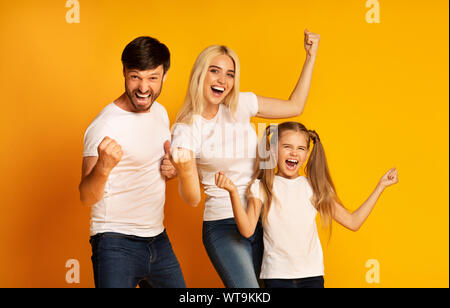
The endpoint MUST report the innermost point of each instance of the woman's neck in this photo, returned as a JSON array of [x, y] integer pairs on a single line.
[[210, 111]]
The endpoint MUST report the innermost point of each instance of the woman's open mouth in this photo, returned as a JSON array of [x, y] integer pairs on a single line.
[[217, 91]]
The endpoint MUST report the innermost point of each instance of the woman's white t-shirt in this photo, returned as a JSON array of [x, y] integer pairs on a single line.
[[225, 143], [292, 248]]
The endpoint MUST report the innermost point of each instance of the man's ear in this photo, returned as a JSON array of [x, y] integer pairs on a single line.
[[124, 72], [164, 77]]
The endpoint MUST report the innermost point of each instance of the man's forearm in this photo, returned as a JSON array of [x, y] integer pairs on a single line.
[[92, 186]]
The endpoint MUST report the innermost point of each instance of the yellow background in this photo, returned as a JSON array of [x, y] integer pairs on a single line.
[[379, 99]]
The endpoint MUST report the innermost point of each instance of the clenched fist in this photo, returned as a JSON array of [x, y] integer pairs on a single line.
[[311, 43], [109, 154], [390, 178], [222, 181], [182, 160]]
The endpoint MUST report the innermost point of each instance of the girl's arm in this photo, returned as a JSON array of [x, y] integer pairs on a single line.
[[355, 220], [272, 108], [245, 220], [189, 185]]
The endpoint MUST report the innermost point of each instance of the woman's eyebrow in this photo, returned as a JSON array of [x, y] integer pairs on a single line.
[[218, 67]]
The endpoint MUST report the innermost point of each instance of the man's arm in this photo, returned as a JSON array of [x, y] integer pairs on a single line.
[[96, 170]]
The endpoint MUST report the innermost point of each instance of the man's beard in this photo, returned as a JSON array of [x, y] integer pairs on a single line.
[[132, 97]]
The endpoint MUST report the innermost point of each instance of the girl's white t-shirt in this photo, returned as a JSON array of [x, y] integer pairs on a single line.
[[225, 143], [292, 248]]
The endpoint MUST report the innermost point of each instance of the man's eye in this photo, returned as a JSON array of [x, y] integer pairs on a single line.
[[134, 77]]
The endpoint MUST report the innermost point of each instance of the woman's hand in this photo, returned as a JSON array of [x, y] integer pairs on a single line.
[[222, 181], [182, 160], [311, 43]]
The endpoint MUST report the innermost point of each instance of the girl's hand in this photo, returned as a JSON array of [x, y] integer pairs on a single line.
[[223, 182], [311, 43], [390, 178]]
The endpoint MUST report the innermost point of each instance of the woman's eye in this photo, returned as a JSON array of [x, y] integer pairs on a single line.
[[231, 75]]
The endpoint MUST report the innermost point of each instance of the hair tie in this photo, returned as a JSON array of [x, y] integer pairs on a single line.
[[314, 136]]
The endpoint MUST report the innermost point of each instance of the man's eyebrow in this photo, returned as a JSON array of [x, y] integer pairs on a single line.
[[152, 74]]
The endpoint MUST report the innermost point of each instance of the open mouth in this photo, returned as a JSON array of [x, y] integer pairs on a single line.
[[291, 164], [217, 91], [142, 98]]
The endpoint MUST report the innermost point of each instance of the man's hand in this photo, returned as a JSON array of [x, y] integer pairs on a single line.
[[167, 169], [109, 155]]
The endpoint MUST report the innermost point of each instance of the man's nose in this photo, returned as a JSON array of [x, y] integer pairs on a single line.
[[143, 87]]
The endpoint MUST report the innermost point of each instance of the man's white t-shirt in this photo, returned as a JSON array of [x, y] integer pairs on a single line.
[[134, 196], [292, 248], [225, 143]]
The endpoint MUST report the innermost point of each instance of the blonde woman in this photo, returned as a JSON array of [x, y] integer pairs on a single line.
[[212, 133]]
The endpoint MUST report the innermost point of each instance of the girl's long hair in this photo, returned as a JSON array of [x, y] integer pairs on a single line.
[[317, 172], [194, 102]]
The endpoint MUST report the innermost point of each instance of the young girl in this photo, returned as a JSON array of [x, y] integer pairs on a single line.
[[289, 203]]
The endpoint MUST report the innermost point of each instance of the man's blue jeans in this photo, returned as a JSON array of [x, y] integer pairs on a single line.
[[236, 259], [125, 261]]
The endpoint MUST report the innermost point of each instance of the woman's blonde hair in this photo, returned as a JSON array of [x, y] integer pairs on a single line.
[[194, 102], [317, 171]]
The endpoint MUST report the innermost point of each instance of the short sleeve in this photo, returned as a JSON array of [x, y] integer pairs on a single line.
[[255, 191], [164, 115], [248, 103], [183, 136], [94, 135]]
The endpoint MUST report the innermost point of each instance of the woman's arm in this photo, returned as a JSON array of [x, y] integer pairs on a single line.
[[189, 185], [355, 220], [245, 220], [272, 108]]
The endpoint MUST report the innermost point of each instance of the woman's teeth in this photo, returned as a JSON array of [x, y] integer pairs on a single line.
[[218, 90]]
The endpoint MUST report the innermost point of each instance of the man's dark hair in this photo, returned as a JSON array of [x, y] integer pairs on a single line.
[[146, 53]]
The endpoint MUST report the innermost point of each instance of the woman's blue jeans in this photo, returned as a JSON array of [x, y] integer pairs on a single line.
[[236, 259]]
